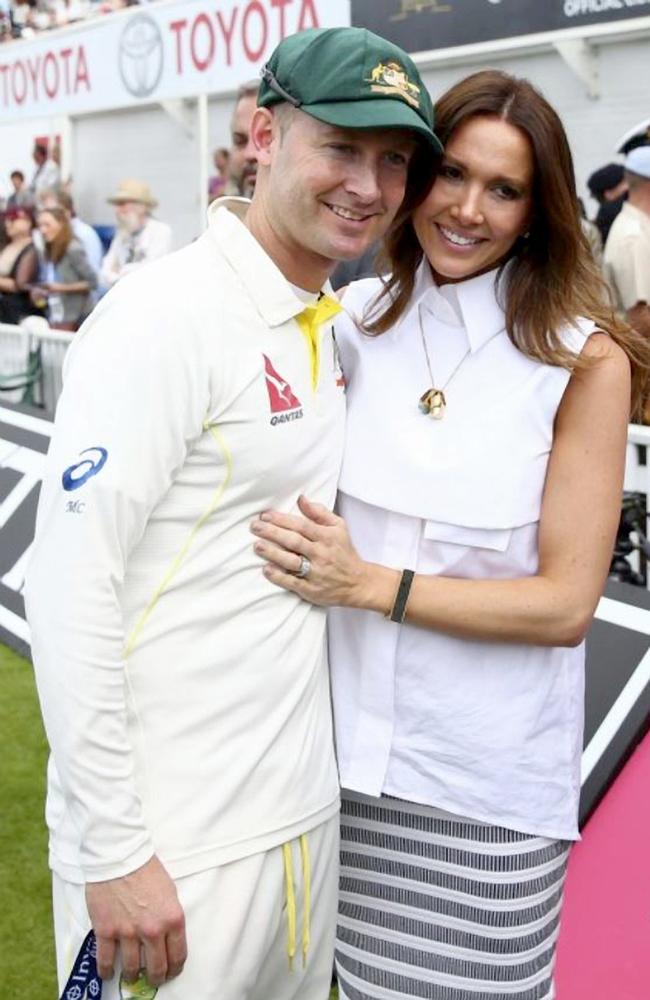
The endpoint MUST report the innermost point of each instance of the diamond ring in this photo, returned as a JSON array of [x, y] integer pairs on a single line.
[[304, 569]]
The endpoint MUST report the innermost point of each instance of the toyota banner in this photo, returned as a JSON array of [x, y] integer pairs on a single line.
[[153, 53]]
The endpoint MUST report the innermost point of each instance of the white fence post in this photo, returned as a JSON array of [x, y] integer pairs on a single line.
[[16, 342]]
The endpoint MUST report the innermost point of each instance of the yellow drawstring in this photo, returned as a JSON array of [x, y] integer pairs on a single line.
[[291, 900], [310, 321], [306, 903], [291, 904]]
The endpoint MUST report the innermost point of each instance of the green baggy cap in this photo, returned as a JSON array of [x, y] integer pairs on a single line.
[[351, 78]]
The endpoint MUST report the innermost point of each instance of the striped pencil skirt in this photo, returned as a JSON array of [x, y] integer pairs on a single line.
[[444, 908]]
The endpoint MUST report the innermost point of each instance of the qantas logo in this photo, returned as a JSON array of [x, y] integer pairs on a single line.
[[285, 405]]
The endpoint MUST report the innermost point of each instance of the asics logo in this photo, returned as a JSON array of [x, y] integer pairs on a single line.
[[76, 475]]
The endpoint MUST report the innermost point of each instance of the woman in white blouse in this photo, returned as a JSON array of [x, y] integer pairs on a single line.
[[489, 393]]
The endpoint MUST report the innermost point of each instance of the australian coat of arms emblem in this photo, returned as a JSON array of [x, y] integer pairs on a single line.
[[391, 78]]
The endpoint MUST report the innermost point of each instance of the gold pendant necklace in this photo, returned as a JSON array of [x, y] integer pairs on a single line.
[[433, 402]]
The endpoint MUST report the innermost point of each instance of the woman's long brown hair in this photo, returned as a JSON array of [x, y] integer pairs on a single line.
[[55, 250], [553, 278]]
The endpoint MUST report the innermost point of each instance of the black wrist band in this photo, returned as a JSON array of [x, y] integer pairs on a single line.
[[398, 611]]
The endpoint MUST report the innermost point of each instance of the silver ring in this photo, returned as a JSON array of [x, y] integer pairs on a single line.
[[304, 569]]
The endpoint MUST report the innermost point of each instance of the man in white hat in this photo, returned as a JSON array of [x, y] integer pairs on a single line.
[[139, 238], [193, 791], [627, 251]]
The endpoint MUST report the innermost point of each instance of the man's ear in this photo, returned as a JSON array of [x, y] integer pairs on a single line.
[[262, 132]]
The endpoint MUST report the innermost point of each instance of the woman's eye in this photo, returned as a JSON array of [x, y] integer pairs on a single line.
[[451, 173], [397, 159], [507, 192]]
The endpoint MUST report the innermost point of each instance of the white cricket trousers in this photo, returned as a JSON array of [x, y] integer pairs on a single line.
[[261, 928]]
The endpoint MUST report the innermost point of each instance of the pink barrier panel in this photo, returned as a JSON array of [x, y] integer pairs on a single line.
[[604, 947]]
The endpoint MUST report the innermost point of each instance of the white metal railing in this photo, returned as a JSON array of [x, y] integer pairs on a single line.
[[637, 479], [16, 345], [637, 462]]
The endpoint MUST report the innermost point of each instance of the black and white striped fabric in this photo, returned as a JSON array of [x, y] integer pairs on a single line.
[[440, 907]]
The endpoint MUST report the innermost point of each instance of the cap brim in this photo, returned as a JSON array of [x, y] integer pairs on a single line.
[[373, 114]]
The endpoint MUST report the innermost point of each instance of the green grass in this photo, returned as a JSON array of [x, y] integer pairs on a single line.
[[27, 967]]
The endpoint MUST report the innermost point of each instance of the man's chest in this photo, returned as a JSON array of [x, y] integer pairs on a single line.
[[275, 422]]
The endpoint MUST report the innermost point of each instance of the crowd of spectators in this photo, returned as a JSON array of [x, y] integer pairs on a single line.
[[52, 263], [25, 18]]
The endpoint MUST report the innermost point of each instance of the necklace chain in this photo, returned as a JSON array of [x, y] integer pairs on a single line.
[[433, 401]]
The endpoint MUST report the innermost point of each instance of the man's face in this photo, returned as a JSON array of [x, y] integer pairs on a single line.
[[243, 155], [332, 192], [613, 194], [17, 182], [220, 161], [130, 215]]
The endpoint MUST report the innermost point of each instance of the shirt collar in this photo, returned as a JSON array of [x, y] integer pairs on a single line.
[[268, 288], [476, 298]]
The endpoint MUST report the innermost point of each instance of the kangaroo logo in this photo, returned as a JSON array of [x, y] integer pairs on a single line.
[[281, 395], [285, 405]]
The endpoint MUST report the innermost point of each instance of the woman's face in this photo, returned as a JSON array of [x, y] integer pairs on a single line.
[[49, 226], [18, 226], [481, 200]]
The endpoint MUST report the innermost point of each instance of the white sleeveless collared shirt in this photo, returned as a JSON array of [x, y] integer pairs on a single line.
[[492, 731]]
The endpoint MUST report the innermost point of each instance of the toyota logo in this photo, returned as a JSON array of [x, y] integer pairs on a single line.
[[141, 56]]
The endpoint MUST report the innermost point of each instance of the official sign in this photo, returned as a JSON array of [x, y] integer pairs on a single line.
[[421, 25], [162, 52]]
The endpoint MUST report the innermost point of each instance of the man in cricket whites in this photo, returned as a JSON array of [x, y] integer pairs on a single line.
[[193, 793]]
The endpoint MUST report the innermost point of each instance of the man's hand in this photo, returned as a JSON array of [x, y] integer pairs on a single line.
[[139, 912]]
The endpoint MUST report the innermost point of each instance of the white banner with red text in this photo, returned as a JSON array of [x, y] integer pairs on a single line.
[[162, 52]]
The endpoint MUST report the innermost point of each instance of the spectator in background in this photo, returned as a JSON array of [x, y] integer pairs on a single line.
[[66, 275], [609, 188], [18, 266], [139, 238], [217, 184], [592, 232], [64, 12], [627, 251], [243, 156], [47, 173], [5, 21], [90, 241], [20, 195], [22, 19]]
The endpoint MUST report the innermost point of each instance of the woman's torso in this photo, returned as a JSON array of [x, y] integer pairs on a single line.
[[70, 307], [489, 730], [18, 260]]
